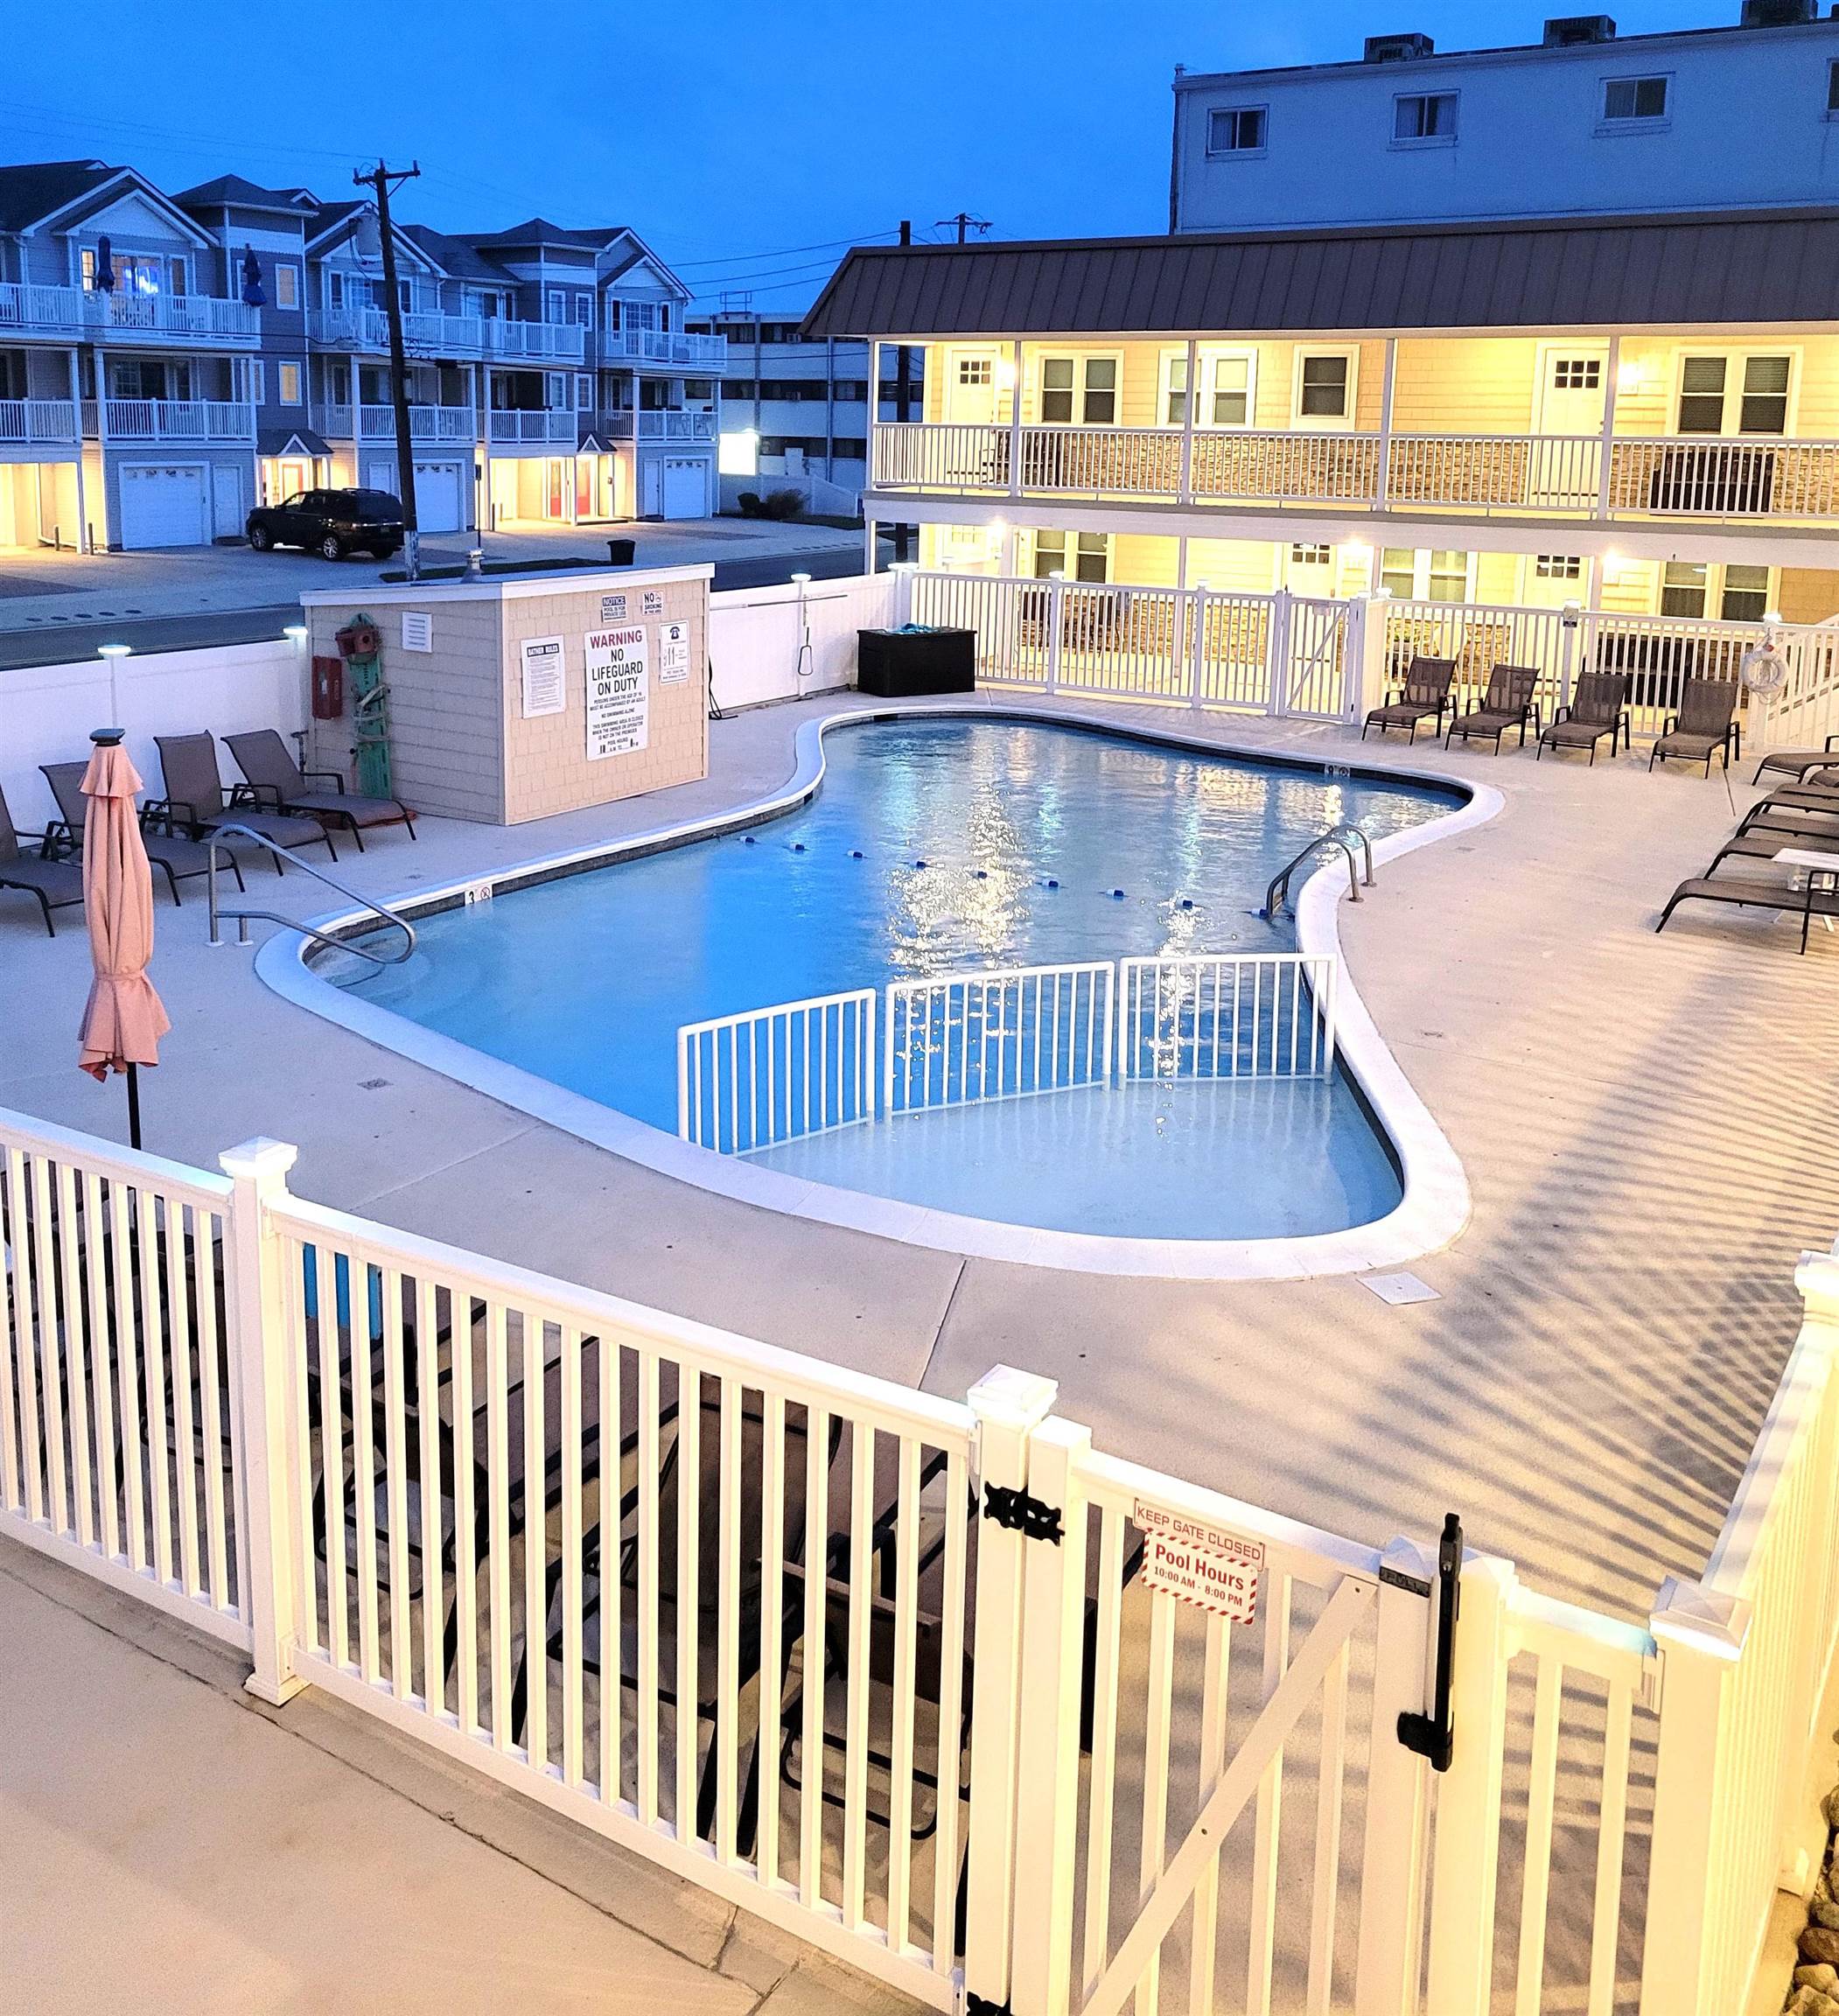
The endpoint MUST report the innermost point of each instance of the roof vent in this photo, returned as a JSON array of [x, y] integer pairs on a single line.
[[1398, 48], [1573, 31], [1778, 13]]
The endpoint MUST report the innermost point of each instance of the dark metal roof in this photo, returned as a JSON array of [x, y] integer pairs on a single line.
[[1756, 267], [36, 189], [290, 441]]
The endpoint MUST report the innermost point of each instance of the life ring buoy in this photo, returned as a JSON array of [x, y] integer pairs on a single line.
[[1763, 669]]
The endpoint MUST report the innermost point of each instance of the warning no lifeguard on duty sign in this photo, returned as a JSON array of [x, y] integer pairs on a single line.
[[1201, 1564]]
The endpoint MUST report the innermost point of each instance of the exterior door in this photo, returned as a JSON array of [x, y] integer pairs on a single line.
[[227, 511], [163, 506], [970, 388], [437, 497], [1573, 384], [685, 488]]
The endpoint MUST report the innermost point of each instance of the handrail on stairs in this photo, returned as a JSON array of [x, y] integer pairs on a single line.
[[233, 828], [1343, 835]]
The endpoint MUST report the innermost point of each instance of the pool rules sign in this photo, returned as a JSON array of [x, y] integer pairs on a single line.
[[619, 691], [1202, 1564]]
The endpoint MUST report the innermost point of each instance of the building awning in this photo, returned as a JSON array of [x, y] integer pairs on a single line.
[[290, 441], [594, 443], [1668, 272]]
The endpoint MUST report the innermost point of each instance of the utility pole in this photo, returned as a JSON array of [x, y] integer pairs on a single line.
[[381, 180], [965, 223]]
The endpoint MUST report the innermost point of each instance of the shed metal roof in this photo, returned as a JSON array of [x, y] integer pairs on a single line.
[[1767, 266]]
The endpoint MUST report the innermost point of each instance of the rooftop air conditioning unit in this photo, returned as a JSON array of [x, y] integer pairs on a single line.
[[1398, 48], [1573, 31], [1779, 13]]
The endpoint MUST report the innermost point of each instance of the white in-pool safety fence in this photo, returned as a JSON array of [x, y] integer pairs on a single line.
[[769, 1075]]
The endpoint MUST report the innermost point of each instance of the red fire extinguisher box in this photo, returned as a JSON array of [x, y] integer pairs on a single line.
[[328, 689]]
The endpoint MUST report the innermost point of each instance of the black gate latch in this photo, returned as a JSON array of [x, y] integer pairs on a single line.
[[1032, 1518], [1434, 1735]]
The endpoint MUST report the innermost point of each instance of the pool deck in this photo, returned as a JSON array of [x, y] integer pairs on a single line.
[[1643, 1122]]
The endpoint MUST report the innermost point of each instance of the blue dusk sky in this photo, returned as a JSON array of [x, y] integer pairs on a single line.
[[745, 139]]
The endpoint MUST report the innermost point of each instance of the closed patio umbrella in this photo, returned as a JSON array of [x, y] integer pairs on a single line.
[[124, 1020], [252, 293], [104, 265]]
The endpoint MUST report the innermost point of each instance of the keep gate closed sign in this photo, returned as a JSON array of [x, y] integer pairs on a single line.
[[1201, 1564]]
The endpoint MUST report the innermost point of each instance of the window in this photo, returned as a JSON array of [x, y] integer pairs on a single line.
[[976, 371], [584, 310], [1079, 390], [557, 309], [1424, 577], [1683, 588], [1577, 374], [337, 379], [699, 389], [405, 296], [1310, 556], [584, 392], [1629, 98], [1832, 89], [1432, 116], [1324, 385], [855, 389], [175, 277], [1761, 385], [556, 391], [1746, 597], [1236, 129], [1091, 557], [1175, 392], [739, 388], [254, 380], [87, 258], [287, 379], [850, 448], [1558, 567], [1230, 405], [287, 285]]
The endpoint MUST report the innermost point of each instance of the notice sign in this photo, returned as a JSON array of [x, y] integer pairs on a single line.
[[619, 691], [612, 608], [544, 691], [1200, 1563], [651, 603], [673, 654]]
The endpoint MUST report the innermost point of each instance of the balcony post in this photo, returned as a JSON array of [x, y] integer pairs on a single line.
[[101, 396], [1015, 425], [1187, 427], [1382, 475], [1606, 446], [76, 415]]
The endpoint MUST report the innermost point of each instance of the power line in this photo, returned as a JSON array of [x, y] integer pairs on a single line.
[[783, 251]]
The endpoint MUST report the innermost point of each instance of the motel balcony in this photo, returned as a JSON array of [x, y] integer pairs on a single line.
[[78, 315], [677, 426], [139, 420], [37, 426], [664, 346], [365, 332], [1545, 476], [553, 426]]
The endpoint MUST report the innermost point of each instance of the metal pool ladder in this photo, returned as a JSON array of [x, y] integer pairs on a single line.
[[1342, 836], [219, 837]]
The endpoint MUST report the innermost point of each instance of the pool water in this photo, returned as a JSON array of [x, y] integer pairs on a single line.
[[935, 846]]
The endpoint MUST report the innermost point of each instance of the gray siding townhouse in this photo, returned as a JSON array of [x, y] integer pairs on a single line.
[[167, 363]]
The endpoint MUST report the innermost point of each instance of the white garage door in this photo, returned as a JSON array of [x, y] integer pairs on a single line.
[[685, 488], [437, 497], [162, 506]]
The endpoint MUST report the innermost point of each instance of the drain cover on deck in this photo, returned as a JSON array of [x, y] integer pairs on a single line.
[[1396, 1288]]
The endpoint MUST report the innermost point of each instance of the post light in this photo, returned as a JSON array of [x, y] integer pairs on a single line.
[[1005, 374], [1572, 615], [111, 655]]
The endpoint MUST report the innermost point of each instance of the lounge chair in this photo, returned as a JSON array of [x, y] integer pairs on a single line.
[[1509, 704], [181, 860], [58, 884], [1599, 707], [1798, 762], [197, 803], [1426, 693], [1705, 724], [1744, 892], [282, 786]]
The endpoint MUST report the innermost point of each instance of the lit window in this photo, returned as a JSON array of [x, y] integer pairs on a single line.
[[1175, 397], [88, 258], [1746, 597], [1632, 98], [288, 378], [1432, 116], [1683, 588], [1091, 561], [287, 286], [1448, 577], [1236, 129], [1559, 567], [1398, 572], [1763, 394], [1232, 391], [1322, 392], [1079, 390], [1764, 408]]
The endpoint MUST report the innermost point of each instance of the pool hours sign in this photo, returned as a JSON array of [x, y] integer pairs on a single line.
[[1200, 1563], [619, 691]]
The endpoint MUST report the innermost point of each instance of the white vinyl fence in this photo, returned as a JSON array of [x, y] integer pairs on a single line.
[[997, 1717], [772, 1075], [1248, 1015], [997, 1035]]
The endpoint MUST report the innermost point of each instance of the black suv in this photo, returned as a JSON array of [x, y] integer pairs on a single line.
[[330, 522]]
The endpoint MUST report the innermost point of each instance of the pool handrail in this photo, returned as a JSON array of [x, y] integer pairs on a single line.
[[1343, 834], [219, 837]]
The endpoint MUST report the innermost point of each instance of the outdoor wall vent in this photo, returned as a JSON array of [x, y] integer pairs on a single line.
[[1778, 13], [1573, 31], [1398, 48]]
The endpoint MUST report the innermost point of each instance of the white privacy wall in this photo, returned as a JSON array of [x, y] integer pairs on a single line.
[[755, 636], [46, 711]]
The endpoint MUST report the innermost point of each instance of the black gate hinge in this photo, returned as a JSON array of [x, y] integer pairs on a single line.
[[1032, 1518], [975, 2005]]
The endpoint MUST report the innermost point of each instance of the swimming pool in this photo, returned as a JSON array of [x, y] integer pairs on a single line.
[[937, 843]]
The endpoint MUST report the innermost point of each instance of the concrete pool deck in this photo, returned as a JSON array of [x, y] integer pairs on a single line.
[[1639, 1118]]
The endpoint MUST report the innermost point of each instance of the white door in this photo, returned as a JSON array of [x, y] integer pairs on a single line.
[[382, 476], [1561, 473], [227, 511], [437, 497], [970, 388], [163, 506], [685, 487]]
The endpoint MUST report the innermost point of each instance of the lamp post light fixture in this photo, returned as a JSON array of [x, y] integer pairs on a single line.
[[112, 654]]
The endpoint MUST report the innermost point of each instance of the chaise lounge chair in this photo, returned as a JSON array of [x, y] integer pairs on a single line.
[[58, 884], [1705, 724], [182, 860], [1509, 704], [1798, 763], [1425, 694], [1747, 892], [281, 785], [1599, 707], [197, 801]]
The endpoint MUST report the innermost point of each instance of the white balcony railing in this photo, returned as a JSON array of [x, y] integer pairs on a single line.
[[613, 426], [1532, 475], [675, 426], [124, 313], [169, 420], [554, 424], [33, 310], [566, 342], [430, 334], [426, 422], [665, 346], [27, 421]]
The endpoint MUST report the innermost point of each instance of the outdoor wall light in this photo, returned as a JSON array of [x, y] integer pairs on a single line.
[[296, 633]]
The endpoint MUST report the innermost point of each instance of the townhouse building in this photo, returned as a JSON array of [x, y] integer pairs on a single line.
[[167, 362], [1636, 415], [1741, 117]]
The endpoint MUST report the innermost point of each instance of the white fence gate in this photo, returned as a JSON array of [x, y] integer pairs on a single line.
[[1001, 1034], [1263, 1014], [771, 1074]]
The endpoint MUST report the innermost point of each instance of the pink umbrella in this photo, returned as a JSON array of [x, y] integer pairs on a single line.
[[124, 1019]]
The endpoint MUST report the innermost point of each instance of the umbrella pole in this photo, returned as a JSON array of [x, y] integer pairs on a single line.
[[134, 1105]]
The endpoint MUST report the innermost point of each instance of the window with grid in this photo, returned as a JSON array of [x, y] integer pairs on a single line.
[[1558, 567], [287, 285], [1683, 588], [1577, 374], [1322, 393], [1309, 556], [1091, 555], [1629, 98], [976, 371], [1175, 394], [1761, 387], [1745, 596], [1237, 128], [1429, 115], [1082, 390], [1231, 405], [288, 380]]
